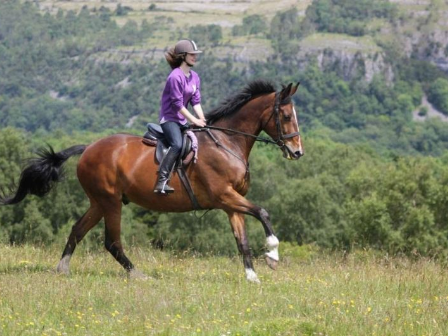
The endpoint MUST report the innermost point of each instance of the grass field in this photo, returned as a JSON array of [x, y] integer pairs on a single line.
[[310, 294]]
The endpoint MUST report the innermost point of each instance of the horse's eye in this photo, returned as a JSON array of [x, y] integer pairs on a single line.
[[287, 117]]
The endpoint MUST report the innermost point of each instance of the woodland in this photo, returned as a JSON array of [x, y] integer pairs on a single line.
[[372, 177]]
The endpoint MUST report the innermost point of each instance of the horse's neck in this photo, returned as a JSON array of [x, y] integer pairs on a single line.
[[247, 121]]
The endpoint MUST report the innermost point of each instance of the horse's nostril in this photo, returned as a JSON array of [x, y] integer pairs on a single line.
[[299, 153]]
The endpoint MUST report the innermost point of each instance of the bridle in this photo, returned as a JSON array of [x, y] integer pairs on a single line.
[[280, 136], [276, 114]]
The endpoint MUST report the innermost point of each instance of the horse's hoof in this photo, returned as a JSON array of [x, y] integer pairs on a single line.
[[271, 263], [255, 281], [62, 271], [251, 276], [137, 275], [63, 268]]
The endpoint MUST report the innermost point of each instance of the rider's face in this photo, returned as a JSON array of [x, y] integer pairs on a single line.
[[191, 58]]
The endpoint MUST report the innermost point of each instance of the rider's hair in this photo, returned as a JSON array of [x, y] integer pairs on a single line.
[[174, 60]]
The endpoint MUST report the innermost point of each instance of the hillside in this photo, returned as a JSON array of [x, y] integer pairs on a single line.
[[93, 65], [376, 152], [179, 16], [421, 30]]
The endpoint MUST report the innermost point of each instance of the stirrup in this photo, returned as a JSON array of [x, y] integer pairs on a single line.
[[163, 189]]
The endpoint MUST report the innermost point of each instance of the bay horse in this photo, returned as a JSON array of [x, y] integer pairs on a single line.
[[121, 167]]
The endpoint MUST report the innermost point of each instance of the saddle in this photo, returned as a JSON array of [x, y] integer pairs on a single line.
[[154, 137]]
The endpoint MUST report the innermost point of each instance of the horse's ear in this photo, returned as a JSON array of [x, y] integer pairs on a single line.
[[286, 92], [294, 89]]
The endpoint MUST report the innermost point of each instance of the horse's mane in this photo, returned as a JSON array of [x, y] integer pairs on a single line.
[[233, 103]]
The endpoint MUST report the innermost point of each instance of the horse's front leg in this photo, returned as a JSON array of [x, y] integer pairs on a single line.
[[239, 231], [272, 242]]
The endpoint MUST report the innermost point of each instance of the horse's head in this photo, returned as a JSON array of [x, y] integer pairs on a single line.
[[282, 124]]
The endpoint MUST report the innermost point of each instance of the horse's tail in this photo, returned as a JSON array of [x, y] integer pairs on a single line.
[[41, 173]]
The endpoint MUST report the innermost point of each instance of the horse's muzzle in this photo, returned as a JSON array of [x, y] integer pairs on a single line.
[[298, 154], [291, 154]]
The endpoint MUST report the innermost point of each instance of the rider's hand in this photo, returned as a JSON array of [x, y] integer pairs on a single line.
[[199, 122]]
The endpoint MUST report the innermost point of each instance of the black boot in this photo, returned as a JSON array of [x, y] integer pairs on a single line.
[[165, 168]]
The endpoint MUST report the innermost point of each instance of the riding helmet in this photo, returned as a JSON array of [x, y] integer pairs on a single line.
[[186, 46]]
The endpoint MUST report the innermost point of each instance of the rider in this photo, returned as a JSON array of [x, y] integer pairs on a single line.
[[182, 87]]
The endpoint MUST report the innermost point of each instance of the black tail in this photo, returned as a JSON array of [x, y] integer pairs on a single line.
[[41, 173]]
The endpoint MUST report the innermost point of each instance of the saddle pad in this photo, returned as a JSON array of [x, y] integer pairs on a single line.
[[149, 141], [188, 152]]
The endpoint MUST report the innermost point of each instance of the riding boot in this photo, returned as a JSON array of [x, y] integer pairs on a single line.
[[165, 168]]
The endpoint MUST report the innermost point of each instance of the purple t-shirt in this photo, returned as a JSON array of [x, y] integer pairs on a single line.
[[179, 91]]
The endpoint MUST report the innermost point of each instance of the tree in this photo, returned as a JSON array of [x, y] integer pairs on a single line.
[[438, 94]]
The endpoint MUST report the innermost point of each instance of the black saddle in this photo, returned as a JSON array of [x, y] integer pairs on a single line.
[[155, 137]]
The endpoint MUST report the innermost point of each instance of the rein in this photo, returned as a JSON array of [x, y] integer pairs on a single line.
[[218, 144], [257, 138], [280, 136]]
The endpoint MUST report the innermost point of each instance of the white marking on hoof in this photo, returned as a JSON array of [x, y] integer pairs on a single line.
[[135, 274], [272, 244], [252, 276], [63, 265], [273, 254]]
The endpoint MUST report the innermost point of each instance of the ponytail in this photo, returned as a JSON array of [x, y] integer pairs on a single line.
[[174, 60]]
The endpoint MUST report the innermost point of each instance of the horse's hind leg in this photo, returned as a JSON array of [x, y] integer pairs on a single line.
[[239, 231], [79, 230], [112, 239]]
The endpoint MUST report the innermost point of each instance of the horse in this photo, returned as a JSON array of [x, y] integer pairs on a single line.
[[121, 166]]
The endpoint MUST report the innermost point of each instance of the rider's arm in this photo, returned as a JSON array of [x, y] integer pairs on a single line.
[[198, 109], [196, 98], [191, 118]]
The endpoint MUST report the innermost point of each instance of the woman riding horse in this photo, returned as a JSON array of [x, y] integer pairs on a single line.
[[122, 167], [182, 87]]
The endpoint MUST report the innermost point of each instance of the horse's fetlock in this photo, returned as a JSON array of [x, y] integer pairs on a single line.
[[272, 242]]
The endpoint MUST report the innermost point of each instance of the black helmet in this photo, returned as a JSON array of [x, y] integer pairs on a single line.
[[186, 46]]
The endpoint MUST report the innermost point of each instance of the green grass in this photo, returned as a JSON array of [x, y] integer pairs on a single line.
[[310, 294]]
